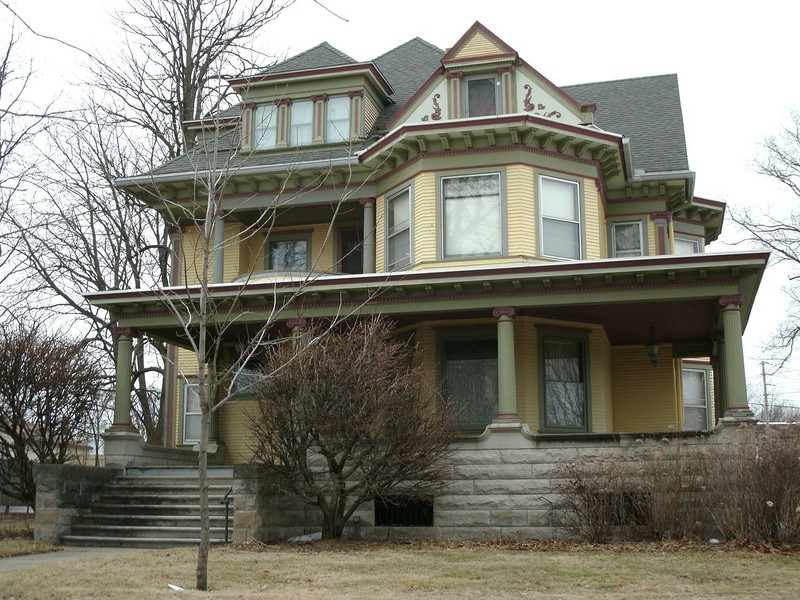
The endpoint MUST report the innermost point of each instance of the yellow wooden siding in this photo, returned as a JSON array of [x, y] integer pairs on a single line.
[[231, 251], [322, 248], [234, 430], [645, 398], [192, 252], [652, 242], [602, 412], [251, 253], [380, 234], [371, 112], [187, 362], [424, 225], [478, 45], [521, 210], [594, 228], [527, 371]]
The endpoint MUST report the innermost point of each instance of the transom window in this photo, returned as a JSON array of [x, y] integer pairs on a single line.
[[191, 413], [265, 133], [627, 239], [288, 254], [561, 218], [337, 126], [564, 383], [301, 131], [398, 230], [473, 216], [695, 399], [481, 96], [469, 377]]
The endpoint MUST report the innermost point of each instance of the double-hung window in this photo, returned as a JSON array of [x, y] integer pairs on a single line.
[[472, 211], [695, 399], [337, 126], [469, 377], [563, 375], [561, 218], [301, 123], [265, 132], [191, 413], [398, 230], [288, 254], [686, 246], [481, 96], [627, 239]]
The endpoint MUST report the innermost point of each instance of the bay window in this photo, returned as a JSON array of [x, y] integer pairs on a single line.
[[472, 212], [561, 218], [398, 230], [627, 239]]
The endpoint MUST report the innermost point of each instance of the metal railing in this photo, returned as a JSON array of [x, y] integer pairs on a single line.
[[227, 502]]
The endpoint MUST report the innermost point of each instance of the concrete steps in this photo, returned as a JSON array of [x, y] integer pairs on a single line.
[[154, 507]]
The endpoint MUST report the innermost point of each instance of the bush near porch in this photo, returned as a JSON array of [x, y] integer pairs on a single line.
[[747, 492]]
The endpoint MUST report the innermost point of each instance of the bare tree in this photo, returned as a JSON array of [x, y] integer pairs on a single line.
[[49, 386], [344, 419], [780, 160]]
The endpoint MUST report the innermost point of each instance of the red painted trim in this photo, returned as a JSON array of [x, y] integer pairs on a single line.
[[422, 91], [661, 234]]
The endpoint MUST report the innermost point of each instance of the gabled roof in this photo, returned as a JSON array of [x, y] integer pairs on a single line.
[[323, 55], [645, 109]]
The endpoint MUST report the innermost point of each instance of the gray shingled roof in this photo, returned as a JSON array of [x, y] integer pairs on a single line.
[[648, 111], [645, 109], [406, 68], [323, 55]]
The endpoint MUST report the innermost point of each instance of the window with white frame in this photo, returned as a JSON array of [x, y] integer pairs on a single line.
[[472, 212], [627, 239], [337, 126], [564, 386], [561, 218], [686, 246], [265, 131], [301, 125], [288, 254], [695, 399], [191, 413], [398, 230], [480, 94]]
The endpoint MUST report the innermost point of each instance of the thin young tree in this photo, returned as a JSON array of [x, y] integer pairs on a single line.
[[337, 432]]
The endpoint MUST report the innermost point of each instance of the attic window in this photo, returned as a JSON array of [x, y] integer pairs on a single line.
[[481, 96], [301, 128], [337, 126], [265, 134]]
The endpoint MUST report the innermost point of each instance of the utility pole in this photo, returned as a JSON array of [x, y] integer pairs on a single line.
[[766, 403]]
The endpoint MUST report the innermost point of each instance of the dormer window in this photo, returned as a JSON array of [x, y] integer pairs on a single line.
[[265, 132], [481, 96], [301, 123], [337, 126]]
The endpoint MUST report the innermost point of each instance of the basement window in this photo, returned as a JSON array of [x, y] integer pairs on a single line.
[[397, 511]]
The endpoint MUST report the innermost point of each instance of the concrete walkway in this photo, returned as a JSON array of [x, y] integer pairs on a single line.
[[48, 558]]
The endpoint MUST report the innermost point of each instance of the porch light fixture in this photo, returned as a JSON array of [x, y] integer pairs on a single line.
[[653, 348]]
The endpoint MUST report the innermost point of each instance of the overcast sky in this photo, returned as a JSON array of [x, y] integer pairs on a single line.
[[736, 64]]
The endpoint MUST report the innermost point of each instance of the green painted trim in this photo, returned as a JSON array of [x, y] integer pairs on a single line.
[[583, 337]]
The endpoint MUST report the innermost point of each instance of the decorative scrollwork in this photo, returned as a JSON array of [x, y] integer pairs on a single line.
[[437, 110], [540, 108]]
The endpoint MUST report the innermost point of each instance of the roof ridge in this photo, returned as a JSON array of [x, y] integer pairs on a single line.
[[621, 80]]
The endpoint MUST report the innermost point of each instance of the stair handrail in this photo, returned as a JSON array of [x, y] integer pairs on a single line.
[[226, 501]]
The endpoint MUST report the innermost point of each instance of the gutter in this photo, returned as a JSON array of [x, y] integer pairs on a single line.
[[686, 174]]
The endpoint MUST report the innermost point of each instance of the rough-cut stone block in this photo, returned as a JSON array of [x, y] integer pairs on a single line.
[[509, 518], [511, 486], [493, 472], [487, 502], [539, 518], [462, 518], [527, 502], [478, 457], [461, 486]]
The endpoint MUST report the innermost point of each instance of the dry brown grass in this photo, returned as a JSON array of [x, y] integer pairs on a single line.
[[378, 571], [16, 537]]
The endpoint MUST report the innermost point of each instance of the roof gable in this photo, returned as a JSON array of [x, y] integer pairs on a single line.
[[477, 42]]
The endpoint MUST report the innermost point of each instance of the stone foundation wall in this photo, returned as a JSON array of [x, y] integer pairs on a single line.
[[501, 486], [62, 492]]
